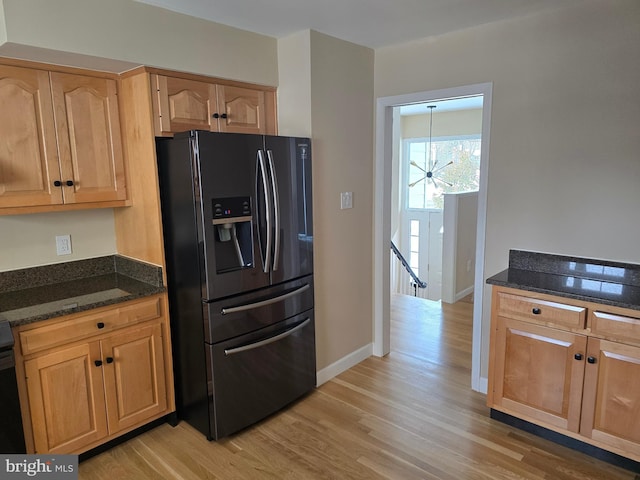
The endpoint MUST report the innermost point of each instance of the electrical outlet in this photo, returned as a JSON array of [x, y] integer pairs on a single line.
[[346, 200], [63, 244]]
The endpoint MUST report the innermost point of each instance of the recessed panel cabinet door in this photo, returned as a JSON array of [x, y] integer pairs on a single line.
[[242, 110], [611, 409], [66, 399], [183, 105], [28, 151], [134, 376], [539, 372], [89, 138]]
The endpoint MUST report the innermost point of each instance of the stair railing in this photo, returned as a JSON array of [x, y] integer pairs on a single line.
[[416, 281]]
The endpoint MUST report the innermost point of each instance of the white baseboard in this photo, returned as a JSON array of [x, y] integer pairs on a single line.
[[481, 385], [464, 293], [345, 363]]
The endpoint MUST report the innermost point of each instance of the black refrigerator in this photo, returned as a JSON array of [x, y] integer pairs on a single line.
[[238, 236]]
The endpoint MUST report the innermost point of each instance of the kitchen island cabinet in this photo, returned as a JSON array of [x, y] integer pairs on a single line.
[[566, 360], [62, 146]]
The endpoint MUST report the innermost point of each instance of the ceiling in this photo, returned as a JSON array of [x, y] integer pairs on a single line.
[[371, 23]]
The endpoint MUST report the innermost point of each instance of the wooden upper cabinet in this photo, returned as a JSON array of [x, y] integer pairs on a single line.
[[181, 104], [28, 152], [89, 139], [242, 110], [61, 140]]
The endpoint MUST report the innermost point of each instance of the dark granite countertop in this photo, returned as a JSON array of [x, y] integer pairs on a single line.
[[608, 283], [40, 293]]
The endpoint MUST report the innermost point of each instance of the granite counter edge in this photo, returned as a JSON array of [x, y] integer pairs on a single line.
[[152, 290], [573, 296]]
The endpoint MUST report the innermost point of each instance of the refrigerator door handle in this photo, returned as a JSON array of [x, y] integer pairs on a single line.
[[276, 210], [251, 306], [267, 206], [269, 340]]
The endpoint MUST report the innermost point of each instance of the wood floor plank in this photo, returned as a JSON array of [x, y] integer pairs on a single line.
[[409, 415]]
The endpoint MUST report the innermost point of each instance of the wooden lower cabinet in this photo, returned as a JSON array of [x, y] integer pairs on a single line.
[[80, 395], [541, 372], [611, 406], [134, 376], [66, 399], [558, 374]]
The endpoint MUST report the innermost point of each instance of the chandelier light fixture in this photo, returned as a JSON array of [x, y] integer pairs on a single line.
[[433, 170]]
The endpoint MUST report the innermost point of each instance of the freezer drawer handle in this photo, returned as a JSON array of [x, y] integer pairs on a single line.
[[267, 341], [249, 306]]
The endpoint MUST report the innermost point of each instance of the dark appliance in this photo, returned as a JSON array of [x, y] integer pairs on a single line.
[[11, 433], [238, 236]]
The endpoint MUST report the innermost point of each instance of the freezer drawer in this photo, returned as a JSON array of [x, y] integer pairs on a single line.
[[258, 374], [234, 316]]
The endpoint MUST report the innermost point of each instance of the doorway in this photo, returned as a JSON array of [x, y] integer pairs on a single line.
[[436, 169], [383, 174]]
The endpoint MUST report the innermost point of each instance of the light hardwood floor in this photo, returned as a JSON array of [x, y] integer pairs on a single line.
[[410, 415]]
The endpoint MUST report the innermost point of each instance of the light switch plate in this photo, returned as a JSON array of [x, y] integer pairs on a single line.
[[346, 200]]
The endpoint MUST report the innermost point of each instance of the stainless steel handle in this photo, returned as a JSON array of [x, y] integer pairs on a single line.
[[267, 207], [267, 341], [250, 306], [276, 210]]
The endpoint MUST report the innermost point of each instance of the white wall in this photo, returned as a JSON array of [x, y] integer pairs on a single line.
[[564, 173], [342, 120], [28, 240], [459, 245], [138, 33], [457, 122], [294, 85]]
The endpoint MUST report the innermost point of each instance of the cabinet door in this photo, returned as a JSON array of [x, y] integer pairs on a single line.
[[66, 399], [539, 373], [611, 408], [182, 105], [242, 110], [28, 150], [134, 376], [89, 138]]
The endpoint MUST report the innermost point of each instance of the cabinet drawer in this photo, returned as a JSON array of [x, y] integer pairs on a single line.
[[83, 326], [530, 309], [615, 327]]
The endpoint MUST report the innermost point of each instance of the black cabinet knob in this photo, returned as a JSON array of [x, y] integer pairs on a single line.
[[109, 359], [224, 115], [69, 183], [578, 356], [216, 115], [98, 363], [57, 183], [536, 311], [591, 360], [100, 325]]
